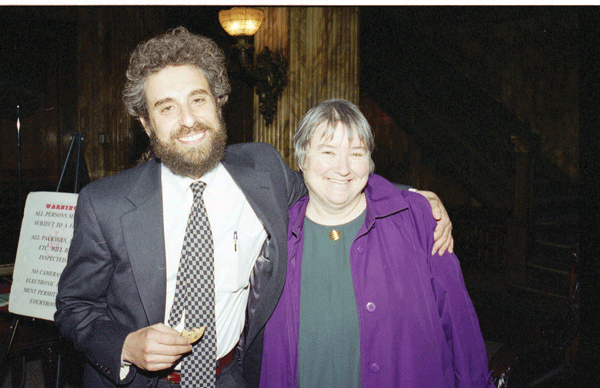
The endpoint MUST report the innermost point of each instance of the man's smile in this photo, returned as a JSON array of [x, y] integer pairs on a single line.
[[193, 138]]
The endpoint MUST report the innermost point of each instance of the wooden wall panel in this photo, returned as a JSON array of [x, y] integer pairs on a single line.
[[322, 45], [274, 34], [106, 37], [36, 62]]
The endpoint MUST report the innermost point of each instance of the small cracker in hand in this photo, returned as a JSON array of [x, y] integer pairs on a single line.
[[193, 334]]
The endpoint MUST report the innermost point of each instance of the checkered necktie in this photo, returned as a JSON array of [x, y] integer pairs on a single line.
[[195, 294]]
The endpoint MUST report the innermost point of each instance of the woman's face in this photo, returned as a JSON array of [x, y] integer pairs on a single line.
[[335, 169]]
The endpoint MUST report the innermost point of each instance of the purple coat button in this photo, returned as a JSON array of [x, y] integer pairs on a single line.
[[374, 368], [371, 307]]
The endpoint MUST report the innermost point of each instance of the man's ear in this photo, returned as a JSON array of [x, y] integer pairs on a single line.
[[145, 125], [219, 106]]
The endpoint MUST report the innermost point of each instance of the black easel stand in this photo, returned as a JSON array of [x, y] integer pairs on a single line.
[[80, 170], [81, 178]]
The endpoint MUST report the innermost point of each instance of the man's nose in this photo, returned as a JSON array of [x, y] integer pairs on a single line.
[[186, 117]]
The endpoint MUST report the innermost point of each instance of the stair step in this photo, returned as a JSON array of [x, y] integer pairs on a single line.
[[538, 302], [547, 280], [553, 255]]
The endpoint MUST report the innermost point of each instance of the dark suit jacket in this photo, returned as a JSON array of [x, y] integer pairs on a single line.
[[114, 282]]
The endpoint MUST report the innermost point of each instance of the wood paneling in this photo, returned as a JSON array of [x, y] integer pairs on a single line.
[[322, 46], [80, 54], [106, 37], [37, 62]]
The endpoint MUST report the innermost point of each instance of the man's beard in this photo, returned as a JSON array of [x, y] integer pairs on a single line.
[[193, 162]]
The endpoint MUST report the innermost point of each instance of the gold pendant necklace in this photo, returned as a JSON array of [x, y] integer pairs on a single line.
[[334, 235]]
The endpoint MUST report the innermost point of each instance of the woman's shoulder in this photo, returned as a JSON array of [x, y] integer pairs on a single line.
[[387, 198], [381, 189]]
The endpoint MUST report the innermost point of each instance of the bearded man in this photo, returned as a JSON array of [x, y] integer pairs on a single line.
[[118, 294]]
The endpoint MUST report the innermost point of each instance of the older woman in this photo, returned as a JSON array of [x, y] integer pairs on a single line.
[[365, 304]]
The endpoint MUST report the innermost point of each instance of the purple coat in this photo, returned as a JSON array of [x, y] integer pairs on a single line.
[[418, 327]]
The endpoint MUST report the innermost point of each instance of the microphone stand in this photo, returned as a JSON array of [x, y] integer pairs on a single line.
[[19, 182]]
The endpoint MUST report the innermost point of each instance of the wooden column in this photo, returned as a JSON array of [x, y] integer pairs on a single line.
[[322, 48]]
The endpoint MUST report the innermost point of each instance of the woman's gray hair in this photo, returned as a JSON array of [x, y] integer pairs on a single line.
[[175, 48], [332, 112]]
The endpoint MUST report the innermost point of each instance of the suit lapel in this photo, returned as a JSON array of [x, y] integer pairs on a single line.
[[143, 227], [144, 238], [259, 189]]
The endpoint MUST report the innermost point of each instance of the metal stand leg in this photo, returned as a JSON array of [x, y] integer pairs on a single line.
[[23, 371], [9, 340], [58, 369]]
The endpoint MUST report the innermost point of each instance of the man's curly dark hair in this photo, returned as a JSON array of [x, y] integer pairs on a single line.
[[176, 47]]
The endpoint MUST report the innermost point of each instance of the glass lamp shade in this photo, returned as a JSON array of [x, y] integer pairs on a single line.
[[241, 21]]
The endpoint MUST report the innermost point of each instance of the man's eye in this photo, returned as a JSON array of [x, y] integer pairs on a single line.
[[167, 109]]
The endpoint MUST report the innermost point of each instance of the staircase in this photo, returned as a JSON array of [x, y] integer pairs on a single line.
[[528, 206], [551, 263], [455, 122]]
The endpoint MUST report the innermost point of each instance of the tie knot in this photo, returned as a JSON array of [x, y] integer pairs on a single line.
[[198, 188]]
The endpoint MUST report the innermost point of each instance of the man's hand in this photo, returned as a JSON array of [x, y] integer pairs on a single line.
[[443, 231], [155, 347]]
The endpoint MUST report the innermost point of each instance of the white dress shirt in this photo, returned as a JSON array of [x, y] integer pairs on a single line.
[[238, 237]]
